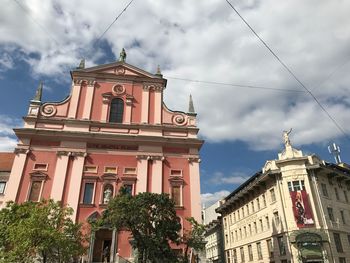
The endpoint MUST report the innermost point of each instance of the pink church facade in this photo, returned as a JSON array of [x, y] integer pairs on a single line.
[[112, 130]]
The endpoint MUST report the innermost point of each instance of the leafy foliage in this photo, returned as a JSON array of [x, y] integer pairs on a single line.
[[44, 232], [151, 219]]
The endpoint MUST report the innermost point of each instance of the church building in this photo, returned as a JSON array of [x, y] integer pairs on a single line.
[[112, 130]]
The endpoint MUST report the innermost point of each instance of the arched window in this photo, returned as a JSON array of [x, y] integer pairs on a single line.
[[116, 111]]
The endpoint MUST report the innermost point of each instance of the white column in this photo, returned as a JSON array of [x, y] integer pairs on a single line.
[[113, 246], [88, 99], [16, 174], [158, 105], [60, 175], [75, 182], [142, 174], [195, 189], [157, 175], [74, 100], [128, 108], [145, 104], [105, 104]]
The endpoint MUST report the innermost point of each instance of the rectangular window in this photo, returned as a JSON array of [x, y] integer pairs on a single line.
[[346, 196], [338, 243], [272, 194], [88, 193], [324, 190], [242, 212], [342, 217], [264, 200], [245, 231], [129, 189], [336, 193], [261, 225], [290, 187], [231, 235], [238, 215], [269, 247], [250, 229], [129, 170], [90, 169], [2, 187], [349, 239], [281, 245], [252, 205], [234, 256], [250, 252], [258, 203], [110, 170], [330, 214], [296, 186], [342, 260], [240, 233], [236, 234], [176, 194], [225, 222], [40, 167], [247, 208], [242, 254], [267, 222], [255, 228], [35, 191], [226, 239], [258, 248], [277, 218], [176, 172]]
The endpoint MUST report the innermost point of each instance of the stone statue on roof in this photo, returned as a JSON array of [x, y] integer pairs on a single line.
[[122, 55], [286, 137]]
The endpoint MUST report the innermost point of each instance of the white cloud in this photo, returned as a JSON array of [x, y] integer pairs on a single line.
[[236, 178], [210, 198], [7, 138], [206, 40]]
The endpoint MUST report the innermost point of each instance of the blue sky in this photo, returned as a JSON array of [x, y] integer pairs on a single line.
[[196, 40]]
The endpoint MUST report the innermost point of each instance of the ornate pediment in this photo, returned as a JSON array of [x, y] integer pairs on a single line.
[[118, 69]]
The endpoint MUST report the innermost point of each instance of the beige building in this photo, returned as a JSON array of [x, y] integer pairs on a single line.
[[213, 234], [295, 210]]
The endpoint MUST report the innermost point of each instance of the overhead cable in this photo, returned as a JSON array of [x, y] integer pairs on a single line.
[[290, 71]]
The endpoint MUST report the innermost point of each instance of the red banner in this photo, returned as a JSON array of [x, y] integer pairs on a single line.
[[301, 209]]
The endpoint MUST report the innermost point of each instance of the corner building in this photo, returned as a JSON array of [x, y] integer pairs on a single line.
[[112, 130], [295, 210]]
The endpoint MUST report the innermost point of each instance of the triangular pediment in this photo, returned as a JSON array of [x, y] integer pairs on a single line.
[[120, 69]]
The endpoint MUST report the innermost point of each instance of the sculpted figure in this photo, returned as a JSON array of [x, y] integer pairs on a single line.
[[107, 194], [286, 137]]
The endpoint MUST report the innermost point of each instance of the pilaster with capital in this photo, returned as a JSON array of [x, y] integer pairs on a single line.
[[59, 179], [145, 103], [142, 176], [89, 95], [193, 163], [157, 174]]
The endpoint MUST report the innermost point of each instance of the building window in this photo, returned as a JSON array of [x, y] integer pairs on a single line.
[[267, 222], [264, 200], [261, 225], [277, 218], [35, 191], [2, 187], [336, 193], [245, 231], [225, 222], [116, 111], [324, 190], [234, 256], [296, 185], [330, 213], [242, 212], [88, 193], [40, 167], [234, 217], [270, 247], [255, 228], [272, 194], [252, 205], [236, 234], [250, 253], [247, 206], [342, 217], [226, 239], [337, 241], [250, 229], [342, 260], [107, 193], [281, 245], [258, 248], [349, 239], [231, 235], [346, 196], [176, 195], [242, 254], [258, 203], [240, 233]]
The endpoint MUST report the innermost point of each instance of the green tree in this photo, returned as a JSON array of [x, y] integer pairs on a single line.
[[151, 219], [43, 231], [193, 238]]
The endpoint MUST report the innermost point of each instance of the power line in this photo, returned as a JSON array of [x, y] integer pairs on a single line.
[[236, 85], [27, 11], [115, 20], [290, 71]]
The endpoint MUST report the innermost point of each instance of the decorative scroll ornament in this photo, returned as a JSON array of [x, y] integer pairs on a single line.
[[118, 89], [179, 119], [48, 110], [119, 70]]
